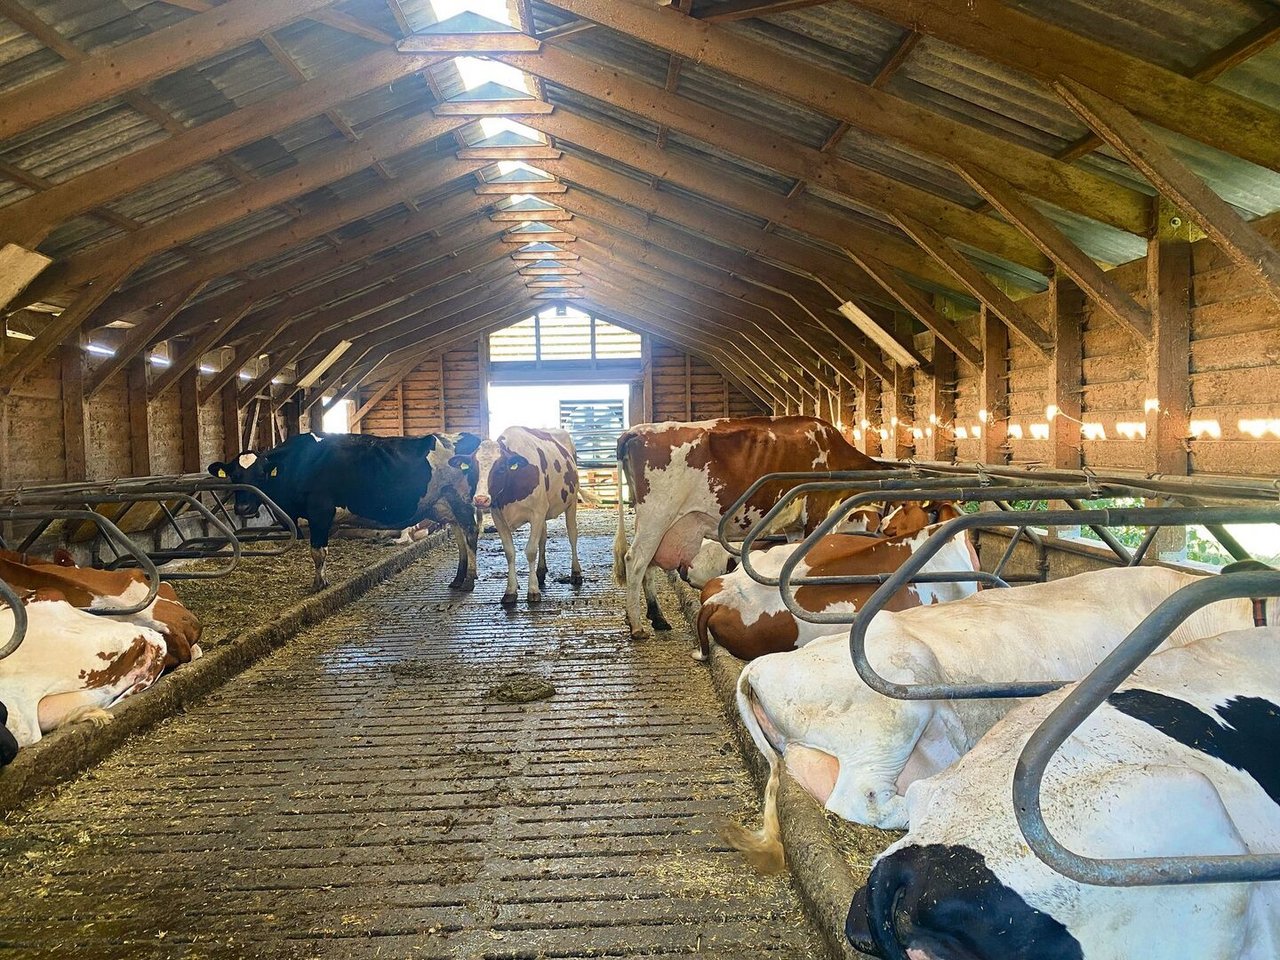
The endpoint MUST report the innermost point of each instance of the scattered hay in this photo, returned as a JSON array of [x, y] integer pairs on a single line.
[[521, 688], [859, 844]]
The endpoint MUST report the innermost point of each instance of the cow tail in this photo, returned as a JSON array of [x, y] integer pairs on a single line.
[[620, 538], [762, 847], [705, 613]]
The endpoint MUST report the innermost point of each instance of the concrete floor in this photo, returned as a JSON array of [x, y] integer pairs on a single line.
[[363, 794]]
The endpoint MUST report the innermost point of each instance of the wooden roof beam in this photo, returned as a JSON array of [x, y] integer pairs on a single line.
[[790, 157], [867, 108], [1008, 36], [1070, 259], [748, 9], [330, 18], [977, 283], [1132, 140], [280, 240], [919, 307], [378, 143], [130, 65], [713, 182]]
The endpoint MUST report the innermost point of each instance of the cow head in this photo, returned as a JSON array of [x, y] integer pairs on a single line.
[[912, 516], [251, 468], [502, 475]]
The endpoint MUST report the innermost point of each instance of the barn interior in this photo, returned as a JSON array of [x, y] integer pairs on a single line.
[[1033, 235]]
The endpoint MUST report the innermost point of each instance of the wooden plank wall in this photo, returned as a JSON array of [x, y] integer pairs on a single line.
[[443, 394], [33, 425], [687, 388], [1232, 366]]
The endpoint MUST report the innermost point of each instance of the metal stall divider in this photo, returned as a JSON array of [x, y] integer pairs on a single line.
[[18, 632], [1080, 703], [909, 571]]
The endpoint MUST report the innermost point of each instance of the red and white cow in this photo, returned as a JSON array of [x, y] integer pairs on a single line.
[[72, 665], [857, 752], [91, 589], [529, 476], [684, 476], [1183, 761], [750, 620]]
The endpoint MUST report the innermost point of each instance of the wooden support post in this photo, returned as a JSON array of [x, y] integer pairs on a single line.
[[444, 403], [139, 416], [266, 423], [869, 416], [940, 433], [230, 404], [646, 363], [482, 381], [1066, 301], [189, 412], [74, 424], [688, 387], [291, 414], [400, 408], [994, 389], [897, 415], [1168, 401]]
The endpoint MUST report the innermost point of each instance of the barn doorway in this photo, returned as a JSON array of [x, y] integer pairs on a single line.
[[563, 367]]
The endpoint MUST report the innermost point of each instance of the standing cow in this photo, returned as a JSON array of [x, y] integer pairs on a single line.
[[1183, 760], [395, 481], [684, 476], [529, 476]]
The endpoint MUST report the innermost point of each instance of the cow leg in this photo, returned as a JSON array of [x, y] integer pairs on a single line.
[[321, 524], [460, 538], [537, 541], [509, 548], [542, 558], [571, 526], [639, 556], [653, 613]]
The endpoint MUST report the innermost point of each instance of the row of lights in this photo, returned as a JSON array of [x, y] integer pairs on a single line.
[[1199, 429], [100, 350]]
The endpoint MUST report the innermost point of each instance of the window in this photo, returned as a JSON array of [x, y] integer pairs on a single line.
[[560, 334], [337, 419]]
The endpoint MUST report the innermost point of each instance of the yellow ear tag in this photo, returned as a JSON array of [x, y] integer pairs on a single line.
[[222, 473], [274, 471], [465, 466], [514, 466]]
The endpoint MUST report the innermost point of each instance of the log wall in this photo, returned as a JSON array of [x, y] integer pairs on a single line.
[[685, 387], [443, 394]]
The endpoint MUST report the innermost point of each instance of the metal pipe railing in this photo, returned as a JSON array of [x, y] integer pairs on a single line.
[[1081, 702], [1160, 516], [107, 529], [19, 632]]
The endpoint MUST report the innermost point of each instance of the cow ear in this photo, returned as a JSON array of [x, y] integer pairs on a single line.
[[218, 470], [468, 443], [517, 462]]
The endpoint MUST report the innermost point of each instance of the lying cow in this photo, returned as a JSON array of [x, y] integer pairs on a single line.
[[394, 481], [713, 560], [750, 620], [72, 666], [684, 476], [1183, 760], [856, 751], [91, 589], [529, 476]]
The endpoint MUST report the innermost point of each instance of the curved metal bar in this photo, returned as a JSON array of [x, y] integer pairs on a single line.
[[113, 533], [847, 476], [1138, 516], [19, 632], [1080, 703]]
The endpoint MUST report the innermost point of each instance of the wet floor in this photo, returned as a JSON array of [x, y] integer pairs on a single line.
[[368, 793]]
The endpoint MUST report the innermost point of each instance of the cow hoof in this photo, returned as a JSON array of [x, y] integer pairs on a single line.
[[642, 633], [699, 656], [318, 585], [508, 599], [660, 623], [542, 581], [466, 586], [576, 579], [534, 598]]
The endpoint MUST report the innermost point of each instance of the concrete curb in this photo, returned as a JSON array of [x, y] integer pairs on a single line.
[[820, 874], [69, 751]]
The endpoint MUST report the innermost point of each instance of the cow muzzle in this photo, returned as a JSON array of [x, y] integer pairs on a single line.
[[247, 511], [482, 501]]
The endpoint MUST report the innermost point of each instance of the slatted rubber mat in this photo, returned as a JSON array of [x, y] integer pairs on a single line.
[[362, 794]]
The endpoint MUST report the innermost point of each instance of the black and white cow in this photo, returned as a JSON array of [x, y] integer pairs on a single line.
[[396, 481], [529, 476], [1183, 760]]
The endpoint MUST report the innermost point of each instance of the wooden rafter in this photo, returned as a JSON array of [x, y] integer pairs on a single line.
[[1131, 138], [1006, 35], [747, 9], [789, 157], [977, 283], [137, 338], [896, 58], [331, 18], [1058, 247], [919, 307], [866, 108], [133, 64]]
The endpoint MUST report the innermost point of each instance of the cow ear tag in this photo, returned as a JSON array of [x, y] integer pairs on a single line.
[[465, 466], [274, 471], [222, 473], [514, 466]]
